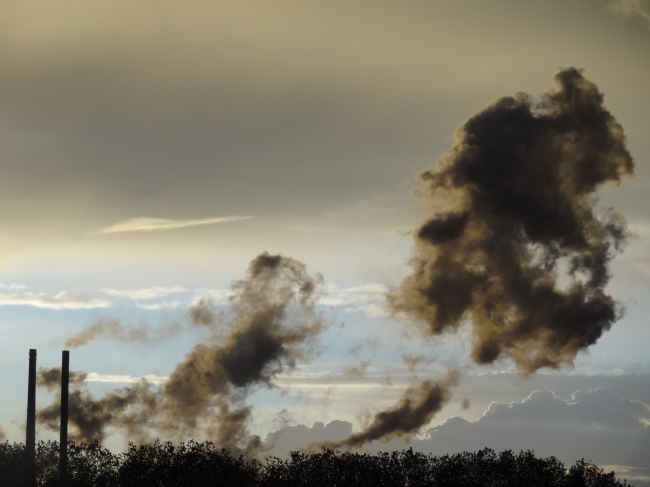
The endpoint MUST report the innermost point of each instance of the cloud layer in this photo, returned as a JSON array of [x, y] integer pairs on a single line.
[[62, 300], [369, 298], [125, 379], [146, 293], [597, 425]]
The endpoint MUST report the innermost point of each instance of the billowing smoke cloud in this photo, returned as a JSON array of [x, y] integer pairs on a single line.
[[514, 199], [272, 323], [515, 202], [515, 205], [88, 415]]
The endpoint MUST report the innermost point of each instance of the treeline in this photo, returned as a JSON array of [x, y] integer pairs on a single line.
[[203, 464]]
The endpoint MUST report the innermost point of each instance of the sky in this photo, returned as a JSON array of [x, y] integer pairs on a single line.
[[151, 151]]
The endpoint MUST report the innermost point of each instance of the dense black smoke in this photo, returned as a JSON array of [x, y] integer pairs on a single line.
[[514, 205], [515, 201], [272, 323], [416, 408]]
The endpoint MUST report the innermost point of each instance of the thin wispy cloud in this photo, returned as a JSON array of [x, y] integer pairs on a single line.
[[153, 224], [145, 293], [62, 300], [367, 298], [13, 286], [163, 304], [125, 379], [639, 8]]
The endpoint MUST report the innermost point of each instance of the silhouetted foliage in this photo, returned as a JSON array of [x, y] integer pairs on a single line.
[[203, 464], [195, 464]]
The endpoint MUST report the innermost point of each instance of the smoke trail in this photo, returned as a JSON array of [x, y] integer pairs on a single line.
[[272, 324], [88, 415], [50, 378], [3, 437], [416, 408], [515, 198], [113, 328]]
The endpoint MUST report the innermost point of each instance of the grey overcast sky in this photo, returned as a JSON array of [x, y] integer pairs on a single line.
[[150, 150]]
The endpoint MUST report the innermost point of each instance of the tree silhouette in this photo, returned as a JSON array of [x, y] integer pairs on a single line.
[[163, 464]]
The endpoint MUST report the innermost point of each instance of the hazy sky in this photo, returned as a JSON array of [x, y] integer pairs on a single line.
[[150, 150]]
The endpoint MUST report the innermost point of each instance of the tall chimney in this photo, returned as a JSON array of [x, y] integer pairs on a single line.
[[63, 440], [30, 440]]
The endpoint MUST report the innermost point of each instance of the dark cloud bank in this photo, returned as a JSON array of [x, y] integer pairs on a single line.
[[514, 201]]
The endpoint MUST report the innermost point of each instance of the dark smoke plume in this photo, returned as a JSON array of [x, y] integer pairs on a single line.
[[416, 408], [272, 324], [113, 328], [515, 201], [88, 415]]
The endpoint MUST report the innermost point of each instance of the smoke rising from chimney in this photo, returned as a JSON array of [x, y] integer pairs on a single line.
[[514, 198], [143, 332], [514, 205], [272, 323]]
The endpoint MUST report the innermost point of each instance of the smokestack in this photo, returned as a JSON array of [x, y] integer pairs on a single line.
[[30, 440], [63, 440]]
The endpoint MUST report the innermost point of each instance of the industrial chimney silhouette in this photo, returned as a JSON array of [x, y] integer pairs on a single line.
[[63, 432], [30, 439]]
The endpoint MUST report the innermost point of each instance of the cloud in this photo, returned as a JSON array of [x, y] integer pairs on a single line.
[[150, 224], [640, 476], [587, 425], [163, 304], [13, 286], [63, 300], [125, 379], [367, 298], [597, 425], [146, 293], [292, 438], [640, 8]]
